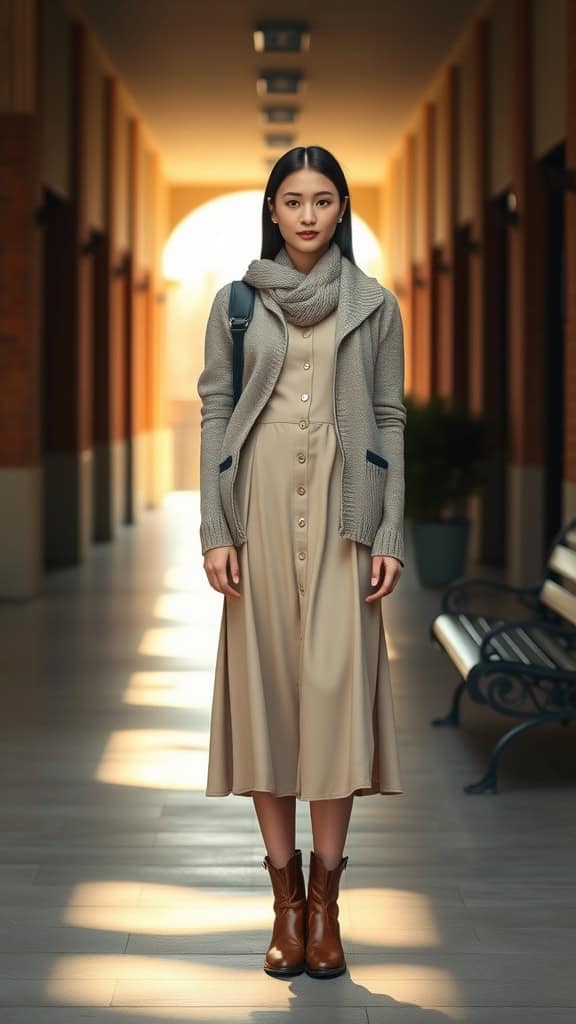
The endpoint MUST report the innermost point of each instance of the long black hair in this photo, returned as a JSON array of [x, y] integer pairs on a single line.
[[319, 159]]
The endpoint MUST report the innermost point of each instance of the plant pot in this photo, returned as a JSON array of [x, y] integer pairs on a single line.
[[440, 549]]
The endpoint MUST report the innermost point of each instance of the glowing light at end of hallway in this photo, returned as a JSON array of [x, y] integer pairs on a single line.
[[216, 242]]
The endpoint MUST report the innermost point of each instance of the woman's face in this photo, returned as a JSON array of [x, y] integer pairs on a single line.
[[307, 201]]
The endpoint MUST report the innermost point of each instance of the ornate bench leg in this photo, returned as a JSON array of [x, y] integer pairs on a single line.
[[489, 782], [453, 716]]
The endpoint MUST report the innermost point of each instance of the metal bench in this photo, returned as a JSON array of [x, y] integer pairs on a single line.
[[525, 667]]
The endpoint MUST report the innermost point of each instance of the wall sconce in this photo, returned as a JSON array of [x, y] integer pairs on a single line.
[[121, 268], [281, 37], [90, 245], [472, 245], [51, 202], [439, 263], [511, 207], [271, 82]]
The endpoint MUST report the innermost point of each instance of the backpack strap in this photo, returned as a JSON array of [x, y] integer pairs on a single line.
[[240, 310]]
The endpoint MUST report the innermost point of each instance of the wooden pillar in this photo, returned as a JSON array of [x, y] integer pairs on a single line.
[[526, 480], [109, 445], [449, 379], [484, 362], [421, 266], [138, 335], [161, 472], [569, 500], [406, 284], [68, 328], [21, 557], [479, 383]]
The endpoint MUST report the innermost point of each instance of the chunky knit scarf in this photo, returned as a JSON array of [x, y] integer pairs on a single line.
[[305, 298]]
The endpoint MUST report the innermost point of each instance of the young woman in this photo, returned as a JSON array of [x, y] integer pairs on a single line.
[[302, 498]]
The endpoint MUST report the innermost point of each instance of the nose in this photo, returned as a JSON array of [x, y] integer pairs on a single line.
[[308, 215]]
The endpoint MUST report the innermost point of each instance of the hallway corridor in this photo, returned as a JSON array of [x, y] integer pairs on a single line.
[[128, 896]]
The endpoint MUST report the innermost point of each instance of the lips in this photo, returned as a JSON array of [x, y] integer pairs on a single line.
[[307, 234]]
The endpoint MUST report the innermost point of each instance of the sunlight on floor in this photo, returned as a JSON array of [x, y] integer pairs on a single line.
[[170, 689], [382, 918], [196, 641], [176, 607], [197, 911], [167, 759]]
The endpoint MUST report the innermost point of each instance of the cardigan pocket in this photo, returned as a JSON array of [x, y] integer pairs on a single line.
[[375, 474], [377, 459]]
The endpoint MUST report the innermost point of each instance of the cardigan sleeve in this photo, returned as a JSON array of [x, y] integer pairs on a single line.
[[215, 389], [390, 413]]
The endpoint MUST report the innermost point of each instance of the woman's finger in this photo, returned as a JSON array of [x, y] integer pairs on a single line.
[[392, 574]]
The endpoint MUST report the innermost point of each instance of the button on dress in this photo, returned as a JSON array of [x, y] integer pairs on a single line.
[[302, 702]]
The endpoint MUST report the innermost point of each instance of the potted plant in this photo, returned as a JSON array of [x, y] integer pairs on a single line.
[[447, 449]]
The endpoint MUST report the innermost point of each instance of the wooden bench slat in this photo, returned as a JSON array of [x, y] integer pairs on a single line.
[[541, 654], [559, 600], [461, 636], [459, 644], [570, 539], [563, 561], [563, 658], [515, 648]]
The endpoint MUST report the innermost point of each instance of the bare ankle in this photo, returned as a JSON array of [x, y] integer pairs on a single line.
[[280, 862], [328, 860]]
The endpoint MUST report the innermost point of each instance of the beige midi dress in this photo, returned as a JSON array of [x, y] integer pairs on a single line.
[[302, 702]]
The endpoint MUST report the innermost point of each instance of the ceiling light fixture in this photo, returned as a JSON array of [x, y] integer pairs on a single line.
[[280, 115], [281, 37], [271, 82], [279, 140]]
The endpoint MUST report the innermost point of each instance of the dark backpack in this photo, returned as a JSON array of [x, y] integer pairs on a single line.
[[240, 310]]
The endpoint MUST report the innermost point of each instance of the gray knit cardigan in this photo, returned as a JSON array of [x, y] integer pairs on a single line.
[[369, 412]]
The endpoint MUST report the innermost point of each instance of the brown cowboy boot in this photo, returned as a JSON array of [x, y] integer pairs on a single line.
[[285, 955], [324, 952]]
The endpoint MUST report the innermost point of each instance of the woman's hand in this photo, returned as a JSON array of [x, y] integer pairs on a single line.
[[392, 573], [215, 567]]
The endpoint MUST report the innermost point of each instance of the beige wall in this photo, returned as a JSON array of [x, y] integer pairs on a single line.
[[56, 98], [466, 136], [501, 92], [440, 158], [95, 132], [549, 69], [548, 121]]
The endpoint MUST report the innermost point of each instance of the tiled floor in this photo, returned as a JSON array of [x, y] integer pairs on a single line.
[[128, 896]]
